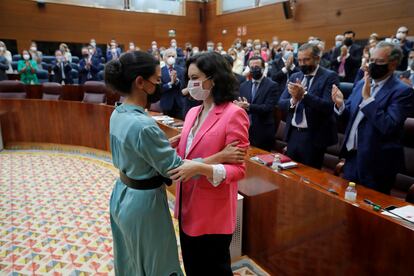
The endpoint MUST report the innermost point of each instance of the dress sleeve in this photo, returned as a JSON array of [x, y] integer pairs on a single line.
[[154, 147]]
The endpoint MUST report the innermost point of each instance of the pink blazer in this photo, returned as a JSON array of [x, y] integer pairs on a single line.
[[207, 209]]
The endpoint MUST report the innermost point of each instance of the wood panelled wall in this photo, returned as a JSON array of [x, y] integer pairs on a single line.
[[313, 17], [24, 21]]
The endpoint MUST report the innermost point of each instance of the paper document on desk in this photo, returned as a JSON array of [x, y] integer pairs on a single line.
[[406, 212], [162, 118]]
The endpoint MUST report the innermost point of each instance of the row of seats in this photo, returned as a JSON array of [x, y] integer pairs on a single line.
[[93, 91], [46, 59]]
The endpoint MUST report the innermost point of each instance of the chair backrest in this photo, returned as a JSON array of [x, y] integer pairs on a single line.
[[14, 65], [49, 59], [101, 67], [94, 92], [346, 88], [51, 90], [75, 59], [46, 66], [101, 75], [75, 66], [42, 75], [16, 57], [12, 89]]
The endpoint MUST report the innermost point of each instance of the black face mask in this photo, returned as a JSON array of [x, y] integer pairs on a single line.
[[257, 73], [348, 42], [378, 71], [307, 69], [85, 55], [156, 96]]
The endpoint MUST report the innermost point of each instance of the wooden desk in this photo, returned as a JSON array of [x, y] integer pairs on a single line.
[[290, 226]]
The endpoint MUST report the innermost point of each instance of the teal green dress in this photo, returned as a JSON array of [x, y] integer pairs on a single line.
[[27, 77], [142, 228]]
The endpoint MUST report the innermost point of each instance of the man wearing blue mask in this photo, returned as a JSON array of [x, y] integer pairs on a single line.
[[310, 120], [376, 111], [283, 66], [258, 97]]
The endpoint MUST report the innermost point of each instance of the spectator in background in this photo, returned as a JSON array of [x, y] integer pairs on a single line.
[[131, 47], [231, 59], [178, 50], [195, 51], [162, 51], [210, 46], [62, 69], [247, 50], [346, 59], [408, 76], [258, 97], [406, 46], [65, 51], [237, 63], [172, 81], [98, 51], [325, 57], [220, 49], [27, 68], [154, 47], [257, 46], [187, 50], [7, 56], [310, 122], [113, 51], [158, 57], [275, 48], [237, 45], [36, 55], [88, 65], [265, 48], [284, 66]]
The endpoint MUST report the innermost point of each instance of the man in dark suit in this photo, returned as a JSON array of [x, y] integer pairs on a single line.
[[283, 66], [62, 69], [346, 59], [96, 49], [172, 80], [88, 66], [259, 97], [376, 111], [406, 46], [310, 120], [408, 75]]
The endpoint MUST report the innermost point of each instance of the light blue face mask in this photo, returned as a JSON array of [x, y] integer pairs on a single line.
[[287, 55], [338, 43]]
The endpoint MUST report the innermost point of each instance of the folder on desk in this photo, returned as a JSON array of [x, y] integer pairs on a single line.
[[267, 159]]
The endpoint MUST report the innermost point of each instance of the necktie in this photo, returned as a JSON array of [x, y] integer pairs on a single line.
[[299, 108], [254, 90], [351, 143], [63, 71]]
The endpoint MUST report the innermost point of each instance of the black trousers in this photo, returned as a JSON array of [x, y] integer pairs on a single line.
[[206, 255], [301, 149]]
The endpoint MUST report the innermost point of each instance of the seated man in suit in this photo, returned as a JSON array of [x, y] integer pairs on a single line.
[[346, 59], [172, 81], [62, 69], [88, 65], [258, 97], [284, 66], [310, 121], [408, 76], [376, 111]]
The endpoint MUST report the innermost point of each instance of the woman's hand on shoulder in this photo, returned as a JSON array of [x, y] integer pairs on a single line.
[[174, 141]]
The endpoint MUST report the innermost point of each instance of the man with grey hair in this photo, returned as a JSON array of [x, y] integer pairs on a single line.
[[406, 46], [310, 121], [172, 81], [376, 111]]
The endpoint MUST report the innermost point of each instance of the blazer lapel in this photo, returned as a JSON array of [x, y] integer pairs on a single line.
[[383, 92], [211, 119], [186, 130]]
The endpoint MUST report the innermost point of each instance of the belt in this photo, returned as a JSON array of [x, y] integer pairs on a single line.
[[144, 184], [300, 129]]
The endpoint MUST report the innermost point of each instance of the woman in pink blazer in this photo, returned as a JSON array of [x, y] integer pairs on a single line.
[[206, 203]]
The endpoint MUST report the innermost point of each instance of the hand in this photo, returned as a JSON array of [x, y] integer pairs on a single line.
[[185, 92], [344, 51], [406, 80], [289, 62], [186, 171], [337, 96], [296, 90], [242, 102], [232, 154], [174, 140], [173, 76], [366, 90]]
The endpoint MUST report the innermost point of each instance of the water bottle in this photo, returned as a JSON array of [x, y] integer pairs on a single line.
[[276, 162], [350, 192]]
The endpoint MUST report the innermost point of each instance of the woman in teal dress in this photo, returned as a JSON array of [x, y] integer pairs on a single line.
[[27, 69], [142, 229]]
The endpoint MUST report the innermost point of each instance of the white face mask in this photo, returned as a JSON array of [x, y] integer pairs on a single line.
[[257, 47], [195, 88], [93, 44], [249, 45], [195, 52], [154, 47], [26, 57], [338, 43], [173, 44], [33, 48], [131, 47], [220, 48], [400, 36], [171, 60], [90, 51], [238, 45]]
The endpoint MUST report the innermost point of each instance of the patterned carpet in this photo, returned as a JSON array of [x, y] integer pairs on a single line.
[[54, 214]]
